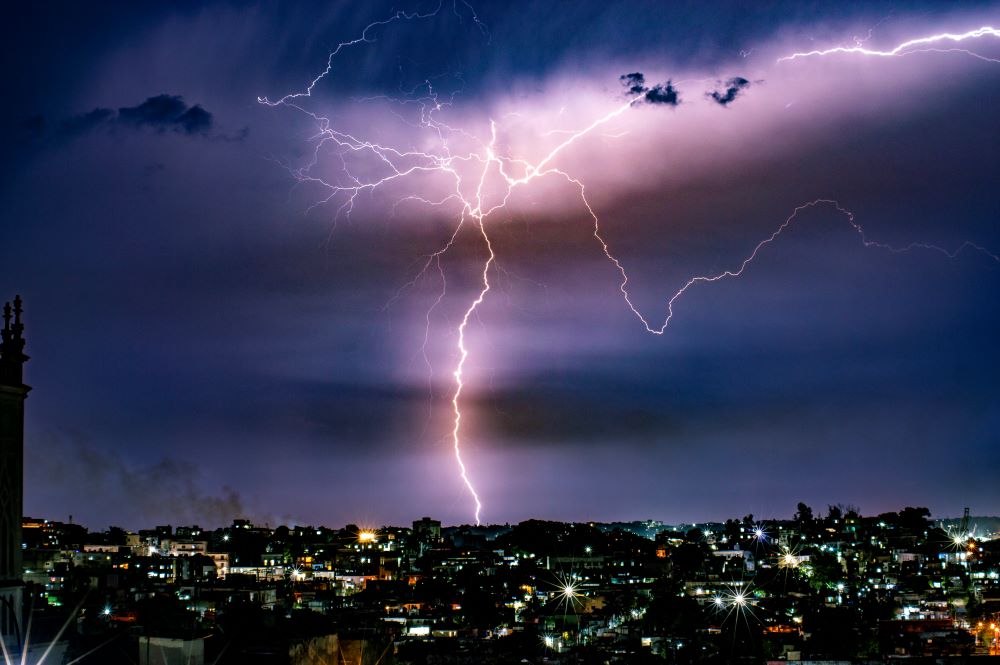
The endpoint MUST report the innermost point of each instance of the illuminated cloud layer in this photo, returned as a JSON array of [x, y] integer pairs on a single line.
[[312, 347]]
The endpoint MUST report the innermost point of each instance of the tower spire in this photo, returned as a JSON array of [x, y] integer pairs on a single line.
[[18, 327], [6, 322], [12, 356]]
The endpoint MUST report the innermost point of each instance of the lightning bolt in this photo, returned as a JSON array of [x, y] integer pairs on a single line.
[[486, 162], [752, 256], [918, 45], [463, 355]]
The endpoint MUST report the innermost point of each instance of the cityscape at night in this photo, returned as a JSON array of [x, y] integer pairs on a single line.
[[821, 586], [442, 331]]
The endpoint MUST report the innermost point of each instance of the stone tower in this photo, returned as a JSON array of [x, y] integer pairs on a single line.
[[12, 395]]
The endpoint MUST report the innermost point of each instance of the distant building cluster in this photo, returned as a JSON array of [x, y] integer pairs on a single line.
[[836, 588]]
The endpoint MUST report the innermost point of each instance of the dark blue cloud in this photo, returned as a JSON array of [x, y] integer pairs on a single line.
[[161, 114], [661, 93], [167, 113], [635, 82], [733, 88]]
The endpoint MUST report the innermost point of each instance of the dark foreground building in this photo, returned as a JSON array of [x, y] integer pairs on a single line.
[[12, 395]]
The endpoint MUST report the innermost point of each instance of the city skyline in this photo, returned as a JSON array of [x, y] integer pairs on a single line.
[[235, 308]]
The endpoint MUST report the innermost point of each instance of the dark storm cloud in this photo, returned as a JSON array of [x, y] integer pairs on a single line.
[[375, 416], [661, 93], [588, 407], [575, 414], [635, 82], [733, 88], [166, 490], [167, 112], [161, 114]]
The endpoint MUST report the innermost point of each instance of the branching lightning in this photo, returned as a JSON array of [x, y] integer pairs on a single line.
[[918, 45], [486, 162], [737, 272]]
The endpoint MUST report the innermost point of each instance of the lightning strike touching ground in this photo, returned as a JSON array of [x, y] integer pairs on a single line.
[[472, 170], [463, 355], [919, 45]]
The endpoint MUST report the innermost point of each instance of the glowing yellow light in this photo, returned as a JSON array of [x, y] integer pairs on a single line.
[[367, 537]]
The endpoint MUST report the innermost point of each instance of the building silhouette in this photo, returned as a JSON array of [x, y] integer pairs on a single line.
[[12, 395], [427, 530]]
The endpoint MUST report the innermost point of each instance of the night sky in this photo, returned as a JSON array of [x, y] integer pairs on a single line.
[[208, 343]]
